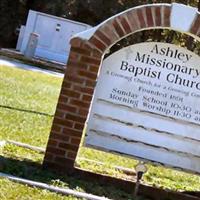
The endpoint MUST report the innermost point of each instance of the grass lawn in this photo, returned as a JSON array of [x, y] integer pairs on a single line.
[[27, 103], [27, 192]]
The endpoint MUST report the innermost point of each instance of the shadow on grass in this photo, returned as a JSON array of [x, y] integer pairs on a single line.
[[24, 110], [34, 171]]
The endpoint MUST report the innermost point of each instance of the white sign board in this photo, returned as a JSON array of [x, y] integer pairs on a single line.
[[146, 105]]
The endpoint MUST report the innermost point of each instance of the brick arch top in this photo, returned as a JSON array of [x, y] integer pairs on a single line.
[[174, 16], [83, 65]]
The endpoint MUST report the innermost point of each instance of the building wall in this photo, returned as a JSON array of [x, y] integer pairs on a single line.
[[54, 35]]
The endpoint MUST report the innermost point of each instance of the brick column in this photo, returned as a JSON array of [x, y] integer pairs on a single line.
[[73, 105]]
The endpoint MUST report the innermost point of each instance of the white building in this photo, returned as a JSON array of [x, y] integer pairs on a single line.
[[54, 34]]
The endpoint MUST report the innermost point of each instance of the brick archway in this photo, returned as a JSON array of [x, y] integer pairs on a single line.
[[87, 50]]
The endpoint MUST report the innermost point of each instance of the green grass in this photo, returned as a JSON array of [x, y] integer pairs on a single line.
[[156, 175], [27, 164], [24, 127], [28, 90], [20, 153], [172, 179], [27, 193], [27, 101], [21, 93]]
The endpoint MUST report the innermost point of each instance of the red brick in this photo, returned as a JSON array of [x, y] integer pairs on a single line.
[[96, 54], [66, 84], [158, 16], [103, 37], [75, 79], [60, 137], [72, 63], [55, 150], [71, 155], [72, 132], [90, 60], [97, 43], [167, 12], [79, 103], [86, 74], [64, 162], [75, 141], [110, 32], [75, 118], [56, 128], [133, 20], [125, 24], [63, 122], [67, 108], [87, 98], [71, 70], [74, 56], [52, 143], [81, 51], [70, 109], [68, 146], [141, 18], [63, 99], [90, 83], [59, 114], [118, 28], [89, 46], [84, 90], [70, 93], [149, 16], [76, 42], [79, 126], [196, 25], [83, 112], [49, 156], [94, 68]]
